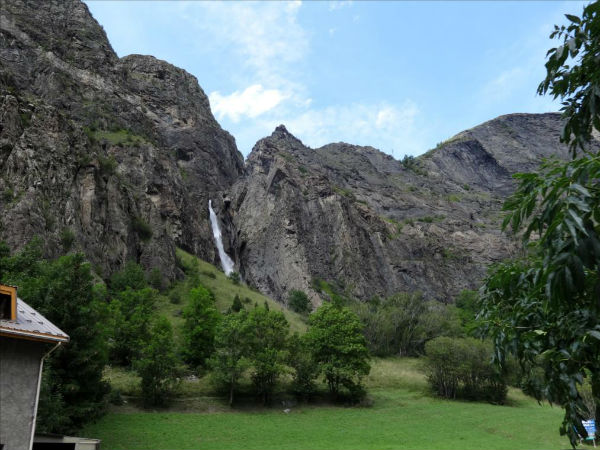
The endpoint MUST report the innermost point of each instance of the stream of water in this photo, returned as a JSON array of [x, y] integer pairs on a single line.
[[226, 261]]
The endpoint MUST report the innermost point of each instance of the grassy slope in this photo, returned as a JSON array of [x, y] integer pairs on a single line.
[[402, 416], [225, 291]]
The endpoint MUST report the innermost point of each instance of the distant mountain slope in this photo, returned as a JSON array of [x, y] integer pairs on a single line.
[[117, 156], [356, 217]]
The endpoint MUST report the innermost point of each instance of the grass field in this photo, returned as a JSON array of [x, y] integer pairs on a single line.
[[402, 416]]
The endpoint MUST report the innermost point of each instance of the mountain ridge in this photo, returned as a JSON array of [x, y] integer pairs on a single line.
[[118, 157]]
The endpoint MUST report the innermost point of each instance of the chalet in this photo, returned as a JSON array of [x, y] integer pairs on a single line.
[[26, 338]]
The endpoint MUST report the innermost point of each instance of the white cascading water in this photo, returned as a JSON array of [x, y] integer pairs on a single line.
[[226, 261]]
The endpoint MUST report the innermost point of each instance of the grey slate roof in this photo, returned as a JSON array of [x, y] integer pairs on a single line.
[[30, 324]]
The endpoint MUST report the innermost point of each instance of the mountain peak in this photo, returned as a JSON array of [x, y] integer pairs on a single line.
[[281, 131]]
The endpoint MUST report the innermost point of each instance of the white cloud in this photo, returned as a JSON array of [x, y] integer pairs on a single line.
[[266, 36], [339, 4], [390, 128], [251, 102], [504, 85]]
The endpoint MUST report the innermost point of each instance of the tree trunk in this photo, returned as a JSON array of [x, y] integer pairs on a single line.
[[231, 394]]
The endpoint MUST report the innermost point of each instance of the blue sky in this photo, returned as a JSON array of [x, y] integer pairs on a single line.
[[400, 76]]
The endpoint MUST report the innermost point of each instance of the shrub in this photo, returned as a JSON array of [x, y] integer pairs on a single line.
[[158, 366], [229, 360], [403, 323], [141, 227], [298, 301], [130, 276], [336, 340], [234, 277], [201, 320], [132, 312], [209, 274], [67, 239], [155, 279], [306, 369], [461, 368], [267, 349], [236, 306], [107, 165], [175, 296]]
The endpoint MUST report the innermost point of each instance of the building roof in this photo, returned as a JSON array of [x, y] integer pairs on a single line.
[[30, 324]]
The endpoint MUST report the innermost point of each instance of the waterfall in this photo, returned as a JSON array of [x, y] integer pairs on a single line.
[[226, 261]]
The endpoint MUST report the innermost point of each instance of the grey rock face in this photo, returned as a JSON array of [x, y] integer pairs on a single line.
[[373, 225], [122, 154]]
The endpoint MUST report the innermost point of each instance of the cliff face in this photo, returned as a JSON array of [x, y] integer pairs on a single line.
[[117, 155], [356, 217]]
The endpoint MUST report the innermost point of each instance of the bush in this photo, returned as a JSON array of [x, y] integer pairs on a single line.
[[141, 227], [234, 277], [201, 320], [67, 239], [268, 331], [298, 301], [130, 276], [155, 279], [403, 323], [336, 340], [229, 360], [236, 306], [461, 368], [132, 312], [306, 369], [158, 367]]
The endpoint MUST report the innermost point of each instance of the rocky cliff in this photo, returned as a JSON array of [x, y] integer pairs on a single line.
[[118, 157], [373, 225], [114, 156]]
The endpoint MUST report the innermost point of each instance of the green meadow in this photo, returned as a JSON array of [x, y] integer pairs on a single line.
[[399, 414]]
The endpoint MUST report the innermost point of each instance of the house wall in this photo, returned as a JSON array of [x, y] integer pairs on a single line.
[[19, 370]]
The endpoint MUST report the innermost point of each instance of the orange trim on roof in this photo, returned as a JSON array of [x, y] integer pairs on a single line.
[[12, 291]]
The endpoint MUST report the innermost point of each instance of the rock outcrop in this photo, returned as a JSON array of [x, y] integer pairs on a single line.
[[116, 157], [373, 225]]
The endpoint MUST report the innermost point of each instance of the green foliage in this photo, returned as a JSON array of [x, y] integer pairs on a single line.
[[155, 279], [403, 323], [201, 320], [62, 290], [572, 74], [130, 276], [544, 309], [158, 365], [305, 368], [117, 136], [413, 164], [132, 312], [67, 239], [229, 360], [462, 368], [142, 228], [236, 306], [338, 345], [467, 304], [8, 195], [298, 301], [267, 339], [234, 277], [107, 165]]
